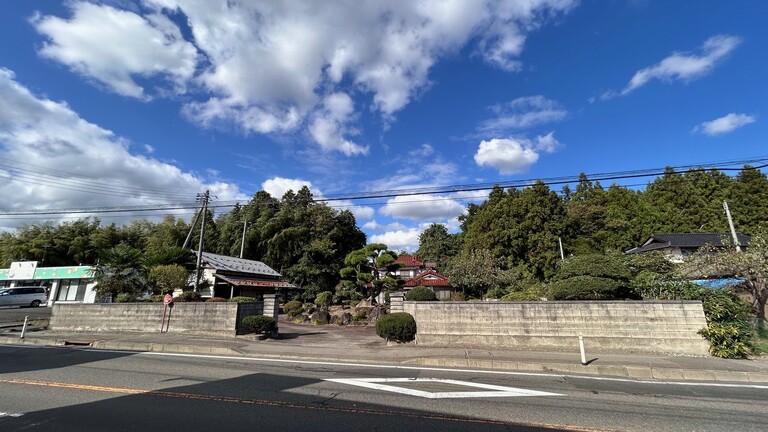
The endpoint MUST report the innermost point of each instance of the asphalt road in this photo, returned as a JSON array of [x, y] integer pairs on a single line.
[[70, 389], [15, 314]]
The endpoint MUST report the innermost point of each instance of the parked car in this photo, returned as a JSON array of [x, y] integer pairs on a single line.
[[23, 296]]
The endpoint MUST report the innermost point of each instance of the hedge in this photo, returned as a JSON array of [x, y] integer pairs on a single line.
[[398, 326], [420, 293], [260, 323]]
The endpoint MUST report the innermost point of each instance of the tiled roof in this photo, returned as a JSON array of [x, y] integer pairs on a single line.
[[408, 261], [255, 282], [687, 240], [227, 263], [428, 278]]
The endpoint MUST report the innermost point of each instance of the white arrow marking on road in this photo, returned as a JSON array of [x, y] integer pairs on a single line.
[[496, 391]]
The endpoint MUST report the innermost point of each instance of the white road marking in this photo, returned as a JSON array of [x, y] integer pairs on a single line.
[[497, 391], [5, 414], [417, 368]]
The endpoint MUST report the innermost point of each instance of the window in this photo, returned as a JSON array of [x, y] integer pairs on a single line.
[[72, 289]]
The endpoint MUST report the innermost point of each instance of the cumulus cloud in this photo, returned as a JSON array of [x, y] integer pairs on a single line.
[[277, 66], [376, 226], [278, 186], [115, 46], [405, 239], [683, 66], [53, 159], [423, 207], [523, 113], [725, 124], [514, 155]]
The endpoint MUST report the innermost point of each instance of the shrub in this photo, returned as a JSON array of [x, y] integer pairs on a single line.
[[293, 308], [216, 300], [126, 298], [398, 326], [260, 323], [588, 288], [728, 324], [158, 298], [457, 296], [188, 296], [324, 299], [243, 299], [420, 293], [359, 316]]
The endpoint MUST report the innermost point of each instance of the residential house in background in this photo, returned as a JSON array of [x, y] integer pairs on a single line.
[[677, 247], [418, 273], [227, 277]]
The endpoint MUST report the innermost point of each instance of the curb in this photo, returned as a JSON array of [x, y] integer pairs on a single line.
[[615, 371]]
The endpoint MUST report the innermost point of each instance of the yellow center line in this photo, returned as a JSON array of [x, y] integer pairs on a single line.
[[231, 399]]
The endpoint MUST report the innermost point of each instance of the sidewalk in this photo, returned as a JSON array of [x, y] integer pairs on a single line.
[[360, 344]]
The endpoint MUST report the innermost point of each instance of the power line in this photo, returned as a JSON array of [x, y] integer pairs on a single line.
[[550, 181]]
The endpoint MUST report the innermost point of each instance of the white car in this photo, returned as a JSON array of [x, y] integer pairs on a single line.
[[23, 296]]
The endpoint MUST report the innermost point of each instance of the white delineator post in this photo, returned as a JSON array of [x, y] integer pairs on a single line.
[[581, 349], [24, 328]]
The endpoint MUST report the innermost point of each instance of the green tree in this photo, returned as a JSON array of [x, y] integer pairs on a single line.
[[750, 264], [120, 272], [167, 278], [477, 272], [370, 269], [437, 245]]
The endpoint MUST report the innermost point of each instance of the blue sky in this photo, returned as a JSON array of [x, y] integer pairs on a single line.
[[144, 103]]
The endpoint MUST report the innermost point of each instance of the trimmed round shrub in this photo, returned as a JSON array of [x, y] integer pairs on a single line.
[[243, 299], [188, 296], [293, 308], [420, 293], [587, 288], [398, 326], [260, 323], [216, 300]]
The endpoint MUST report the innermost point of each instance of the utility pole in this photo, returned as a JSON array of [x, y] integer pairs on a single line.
[[730, 224], [191, 228], [242, 242], [204, 199]]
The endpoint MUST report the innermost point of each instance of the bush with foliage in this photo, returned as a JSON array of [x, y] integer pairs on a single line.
[[457, 296], [216, 300], [243, 299], [359, 316], [260, 323], [420, 293], [398, 326], [293, 308], [158, 298], [188, 296], [592, 277], [532, 293], [728, 324], [324, 300], [126, 298]]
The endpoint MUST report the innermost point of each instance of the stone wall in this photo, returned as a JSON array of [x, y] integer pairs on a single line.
[[668, 327], [205, 318]]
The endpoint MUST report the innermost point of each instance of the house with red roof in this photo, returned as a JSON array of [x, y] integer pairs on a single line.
[[418, 273]]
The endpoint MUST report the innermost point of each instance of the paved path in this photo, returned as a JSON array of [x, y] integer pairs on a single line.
[[360, 344]]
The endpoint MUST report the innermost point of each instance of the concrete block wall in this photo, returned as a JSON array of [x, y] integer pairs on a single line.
[[211, 318], [668, 327]]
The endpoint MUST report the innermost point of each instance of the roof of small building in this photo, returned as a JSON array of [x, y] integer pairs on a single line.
[[227, 263], [687, 240], [406, 260], [428, 278]]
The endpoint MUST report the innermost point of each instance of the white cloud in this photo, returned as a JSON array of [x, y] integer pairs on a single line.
[[514, 155], [329, 126], [423, 207], [278, 186], [405, 239], [278, 66], [683, 66], [725, 124], [114, 46], [523, 113], [375, 226], [360, 212], [55, 159]]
